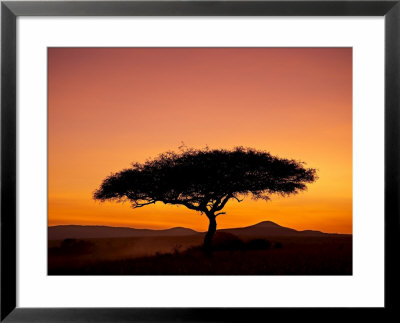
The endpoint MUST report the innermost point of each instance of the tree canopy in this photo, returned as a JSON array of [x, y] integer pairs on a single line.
[[205, 180]]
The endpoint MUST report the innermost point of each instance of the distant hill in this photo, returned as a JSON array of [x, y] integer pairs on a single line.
[[262, 229], [62, 232], [271, 229]]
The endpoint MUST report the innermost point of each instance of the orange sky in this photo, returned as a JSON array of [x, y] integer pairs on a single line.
[[109, 107]]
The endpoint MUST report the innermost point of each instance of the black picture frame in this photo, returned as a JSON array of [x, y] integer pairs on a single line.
[[10, 10]]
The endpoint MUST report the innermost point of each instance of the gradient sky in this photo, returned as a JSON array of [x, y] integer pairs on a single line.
[[109, 107]]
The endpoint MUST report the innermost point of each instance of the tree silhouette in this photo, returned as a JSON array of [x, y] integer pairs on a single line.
[[205, 180]]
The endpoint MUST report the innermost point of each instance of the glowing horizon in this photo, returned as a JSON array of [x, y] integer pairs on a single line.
[[109, 107]]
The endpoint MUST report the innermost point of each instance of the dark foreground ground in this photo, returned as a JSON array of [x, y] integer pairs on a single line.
[[183, 256]]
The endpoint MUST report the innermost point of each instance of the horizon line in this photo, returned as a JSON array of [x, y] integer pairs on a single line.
[[125, 227]]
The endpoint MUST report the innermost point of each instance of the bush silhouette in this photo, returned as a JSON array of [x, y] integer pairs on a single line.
[[205, 180], [226, 241], [258, 244], [76, 246]]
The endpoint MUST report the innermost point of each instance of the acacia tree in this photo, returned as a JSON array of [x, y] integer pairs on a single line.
[[205, 180]]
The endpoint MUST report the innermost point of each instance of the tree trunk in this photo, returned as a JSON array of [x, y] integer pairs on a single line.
[[210, 233]]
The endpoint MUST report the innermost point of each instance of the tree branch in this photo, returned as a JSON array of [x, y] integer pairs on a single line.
[[187, 204], [223, 203], [204, 203], [138, 205], [237, 199]]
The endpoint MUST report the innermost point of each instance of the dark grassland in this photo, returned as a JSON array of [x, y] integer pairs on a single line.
[[328, 255]]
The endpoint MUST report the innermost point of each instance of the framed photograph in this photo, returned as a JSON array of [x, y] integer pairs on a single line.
[[198, 161]]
